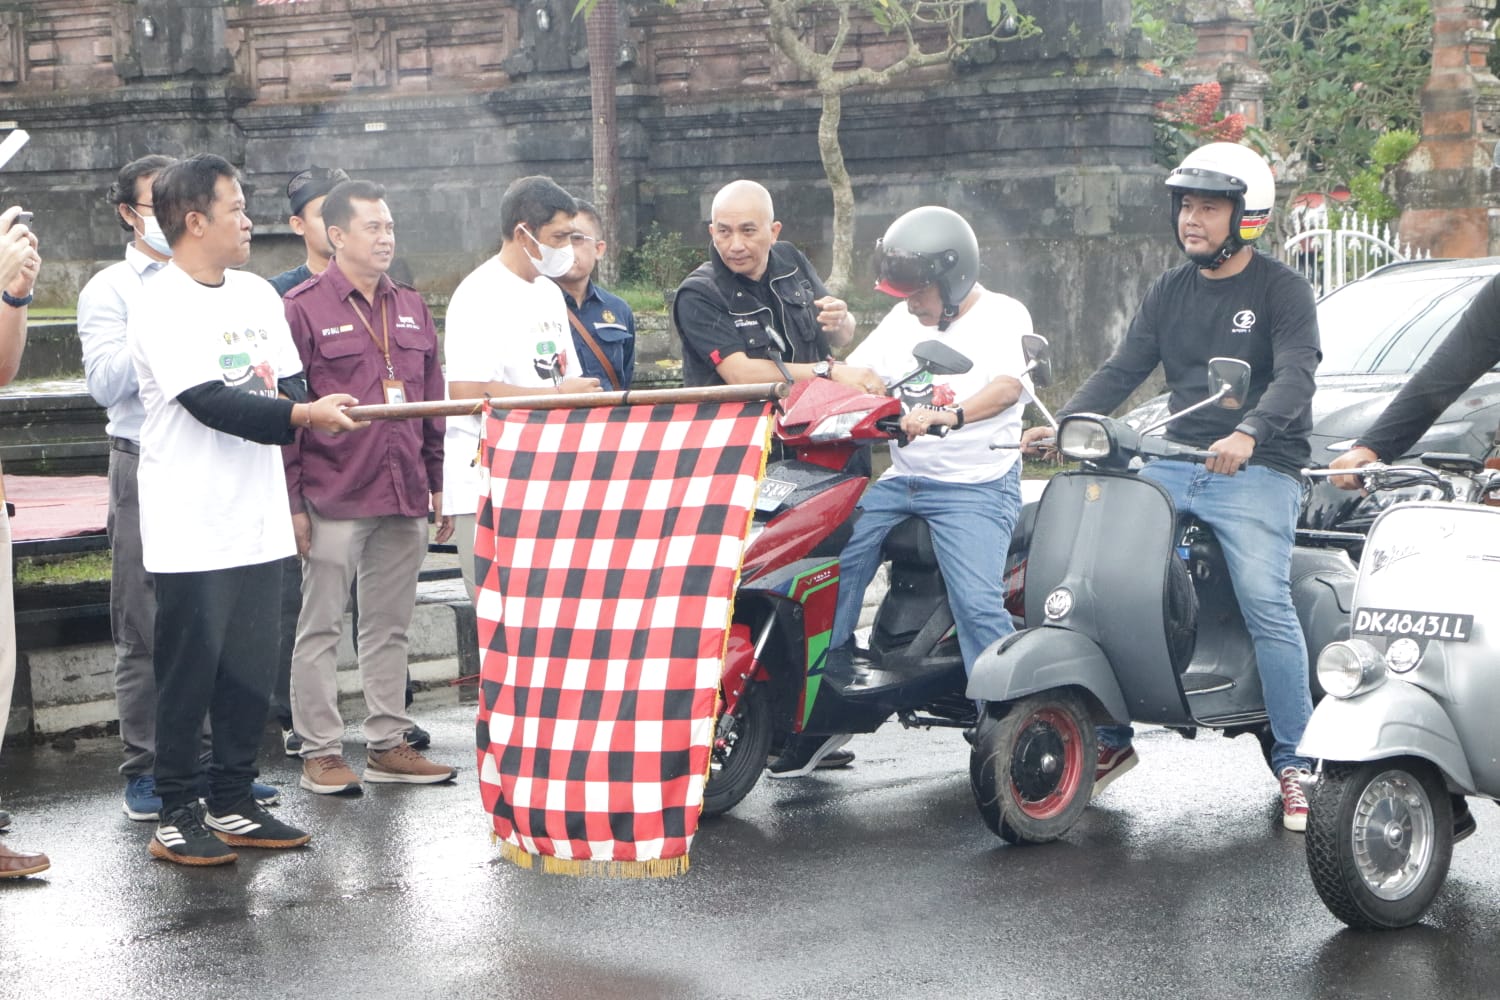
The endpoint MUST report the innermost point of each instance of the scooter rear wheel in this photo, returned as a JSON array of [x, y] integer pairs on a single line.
[[1032, 769], [738, 754], [1379, 840]]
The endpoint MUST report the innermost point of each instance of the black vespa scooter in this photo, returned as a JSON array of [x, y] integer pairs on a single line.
[[1133, 619]]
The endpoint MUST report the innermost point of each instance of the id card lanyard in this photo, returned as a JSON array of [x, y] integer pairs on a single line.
[[395, 391]]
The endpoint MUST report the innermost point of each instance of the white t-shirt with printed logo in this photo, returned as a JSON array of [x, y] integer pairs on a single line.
[[209, 500], [989, 335], [500, 328]]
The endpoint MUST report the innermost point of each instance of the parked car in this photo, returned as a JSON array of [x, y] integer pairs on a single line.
[[1376, 331]]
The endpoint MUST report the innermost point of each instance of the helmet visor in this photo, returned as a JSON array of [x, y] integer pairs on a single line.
[[1206, 181], [900, 274]]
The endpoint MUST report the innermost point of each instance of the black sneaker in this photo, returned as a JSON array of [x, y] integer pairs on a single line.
[[181, 838], [247, 824], [806, 754], [418, 738], [4, 821], [291, 743]]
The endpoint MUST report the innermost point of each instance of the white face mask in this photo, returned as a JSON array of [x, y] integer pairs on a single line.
[[554, 262], [153, 237]]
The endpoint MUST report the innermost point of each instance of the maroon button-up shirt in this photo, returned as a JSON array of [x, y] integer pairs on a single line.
[[391, 466]]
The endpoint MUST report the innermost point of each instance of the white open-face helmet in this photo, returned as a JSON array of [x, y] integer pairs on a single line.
[[1232, 171]]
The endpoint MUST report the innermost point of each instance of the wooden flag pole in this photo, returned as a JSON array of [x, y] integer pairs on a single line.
[[766, 391]]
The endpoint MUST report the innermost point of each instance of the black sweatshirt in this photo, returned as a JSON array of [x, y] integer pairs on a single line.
[[1264, 315], [1472, 349]]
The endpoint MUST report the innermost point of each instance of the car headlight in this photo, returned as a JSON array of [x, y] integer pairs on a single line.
[[1083, 439], [838, 426], [1351, 667]]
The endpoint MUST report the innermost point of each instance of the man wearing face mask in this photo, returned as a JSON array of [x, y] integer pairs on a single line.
[[508, 335], [103, 309]]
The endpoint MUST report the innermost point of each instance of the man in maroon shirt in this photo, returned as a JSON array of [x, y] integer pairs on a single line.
[[360, 501]]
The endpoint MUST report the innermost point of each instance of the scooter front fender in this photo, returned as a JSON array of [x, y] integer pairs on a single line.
[[1041, 659], [1395, 719]]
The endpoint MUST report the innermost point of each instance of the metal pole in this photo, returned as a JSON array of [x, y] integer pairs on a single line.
[[758, 391]]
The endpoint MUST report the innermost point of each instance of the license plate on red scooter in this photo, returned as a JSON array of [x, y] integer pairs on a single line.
[[1395, 624], [772, 492]]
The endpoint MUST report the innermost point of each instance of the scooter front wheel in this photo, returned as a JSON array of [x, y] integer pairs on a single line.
[[738, 756], [1379, 839], [1032, 769]]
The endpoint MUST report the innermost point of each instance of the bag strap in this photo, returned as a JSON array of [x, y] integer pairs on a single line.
[[593, 345]]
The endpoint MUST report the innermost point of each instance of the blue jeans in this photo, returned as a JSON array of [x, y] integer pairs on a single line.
[[1254, 515], [971, 525]]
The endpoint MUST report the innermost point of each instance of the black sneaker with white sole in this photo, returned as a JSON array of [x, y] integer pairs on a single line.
[[248, 824], [805, 754], [182, 838]]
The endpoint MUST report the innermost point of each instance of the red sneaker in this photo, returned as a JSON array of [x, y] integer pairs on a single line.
[[1112, 764], [1293, 798]]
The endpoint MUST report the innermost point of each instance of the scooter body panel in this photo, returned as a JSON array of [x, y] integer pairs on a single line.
[[1098, 565], [1395, 719], [1043, 659]]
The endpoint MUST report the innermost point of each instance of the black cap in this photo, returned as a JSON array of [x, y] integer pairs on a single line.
[[314, 182]]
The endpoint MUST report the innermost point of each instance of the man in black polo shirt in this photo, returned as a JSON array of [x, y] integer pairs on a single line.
[[756, 302]]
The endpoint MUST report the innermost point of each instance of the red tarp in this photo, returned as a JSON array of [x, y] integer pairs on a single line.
[[57, 506]]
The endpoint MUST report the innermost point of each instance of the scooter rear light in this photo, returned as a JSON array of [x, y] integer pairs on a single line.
[[1083, 439], [1350, 668]]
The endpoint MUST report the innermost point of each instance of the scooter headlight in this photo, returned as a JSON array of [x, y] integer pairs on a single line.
[[1351, 667], [1083, 439], [837, 427]]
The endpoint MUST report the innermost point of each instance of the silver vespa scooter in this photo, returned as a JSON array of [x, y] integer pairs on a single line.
[[1408, 725]]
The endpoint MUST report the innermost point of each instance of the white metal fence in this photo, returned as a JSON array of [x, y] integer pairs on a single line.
[[1331, 249]]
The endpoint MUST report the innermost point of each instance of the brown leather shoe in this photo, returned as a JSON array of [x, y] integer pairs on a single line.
[[14, 864]]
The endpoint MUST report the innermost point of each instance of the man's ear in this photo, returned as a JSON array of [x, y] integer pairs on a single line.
[[298, 225], [125, 215], [600, 247], [331, 230], [775, 231]]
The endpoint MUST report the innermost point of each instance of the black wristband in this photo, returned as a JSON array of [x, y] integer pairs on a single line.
[[960, 411], [14, 302], [1248, 429]]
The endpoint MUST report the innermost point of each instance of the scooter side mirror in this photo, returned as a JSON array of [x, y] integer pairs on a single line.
[[1229, 381], [940, 359], [1038, 354]]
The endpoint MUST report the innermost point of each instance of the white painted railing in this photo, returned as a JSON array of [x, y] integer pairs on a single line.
[[1329, 257]]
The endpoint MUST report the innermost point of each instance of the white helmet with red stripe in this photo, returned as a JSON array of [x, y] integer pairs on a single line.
[[1232, 171]]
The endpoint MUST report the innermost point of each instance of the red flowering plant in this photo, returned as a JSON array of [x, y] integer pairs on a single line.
[[1192, 119]]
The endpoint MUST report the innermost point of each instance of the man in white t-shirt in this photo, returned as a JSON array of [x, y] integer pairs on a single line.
[[221, 384], [968, 494], [508, 335]]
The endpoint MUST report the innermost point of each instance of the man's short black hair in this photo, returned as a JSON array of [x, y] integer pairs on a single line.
[[338, 207], [532, 202], [588, 208], [310, 184], [122, 191], [188, 186]]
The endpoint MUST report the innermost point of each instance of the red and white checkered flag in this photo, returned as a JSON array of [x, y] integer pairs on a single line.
[[609, 543]]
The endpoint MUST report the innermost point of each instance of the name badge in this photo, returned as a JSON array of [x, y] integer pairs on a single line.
[[395, 391]]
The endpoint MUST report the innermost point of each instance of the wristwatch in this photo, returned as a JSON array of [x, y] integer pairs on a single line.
[[823, 369]]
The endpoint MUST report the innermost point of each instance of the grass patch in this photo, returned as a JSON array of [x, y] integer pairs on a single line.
[[641, 297], [55, 571], [51, 312]]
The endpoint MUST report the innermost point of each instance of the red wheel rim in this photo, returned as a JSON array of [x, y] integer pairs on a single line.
[[1047, 764]]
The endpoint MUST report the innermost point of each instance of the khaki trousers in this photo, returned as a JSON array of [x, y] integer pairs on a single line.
[[384, 554]]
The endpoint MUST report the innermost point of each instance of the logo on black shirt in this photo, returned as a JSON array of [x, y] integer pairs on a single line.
[[1244, 320]]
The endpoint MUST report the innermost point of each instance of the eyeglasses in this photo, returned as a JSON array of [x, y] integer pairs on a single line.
[[579, 239]]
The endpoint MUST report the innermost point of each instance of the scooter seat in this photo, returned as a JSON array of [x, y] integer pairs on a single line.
[[910, 543]]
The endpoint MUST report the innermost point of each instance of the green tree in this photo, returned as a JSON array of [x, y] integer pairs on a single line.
[[1342, 72]]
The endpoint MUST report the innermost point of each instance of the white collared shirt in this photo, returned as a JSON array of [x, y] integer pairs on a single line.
[[103, 309]]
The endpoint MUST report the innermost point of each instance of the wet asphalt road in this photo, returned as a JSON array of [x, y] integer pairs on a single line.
[[880, 881]]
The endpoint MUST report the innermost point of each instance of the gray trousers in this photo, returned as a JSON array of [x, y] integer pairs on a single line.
[[384, 555], [132, 618], [464, 526], [7, 625]]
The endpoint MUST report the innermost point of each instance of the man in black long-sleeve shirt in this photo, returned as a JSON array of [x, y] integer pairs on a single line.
[[222, 386], [1472, 349], [1230, 302]]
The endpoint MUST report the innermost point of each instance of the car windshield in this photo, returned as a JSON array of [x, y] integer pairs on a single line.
[[1390, 326]]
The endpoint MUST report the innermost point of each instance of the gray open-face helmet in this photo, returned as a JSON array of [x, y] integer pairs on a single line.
[[930, 245]]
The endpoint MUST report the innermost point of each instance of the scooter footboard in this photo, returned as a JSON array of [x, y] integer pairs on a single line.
[[1041, 659], [1392, 720]]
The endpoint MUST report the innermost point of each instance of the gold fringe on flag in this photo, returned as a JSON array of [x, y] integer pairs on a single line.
[[584, 868]]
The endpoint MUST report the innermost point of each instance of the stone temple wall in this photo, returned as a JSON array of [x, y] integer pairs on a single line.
[[1044, 144]]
